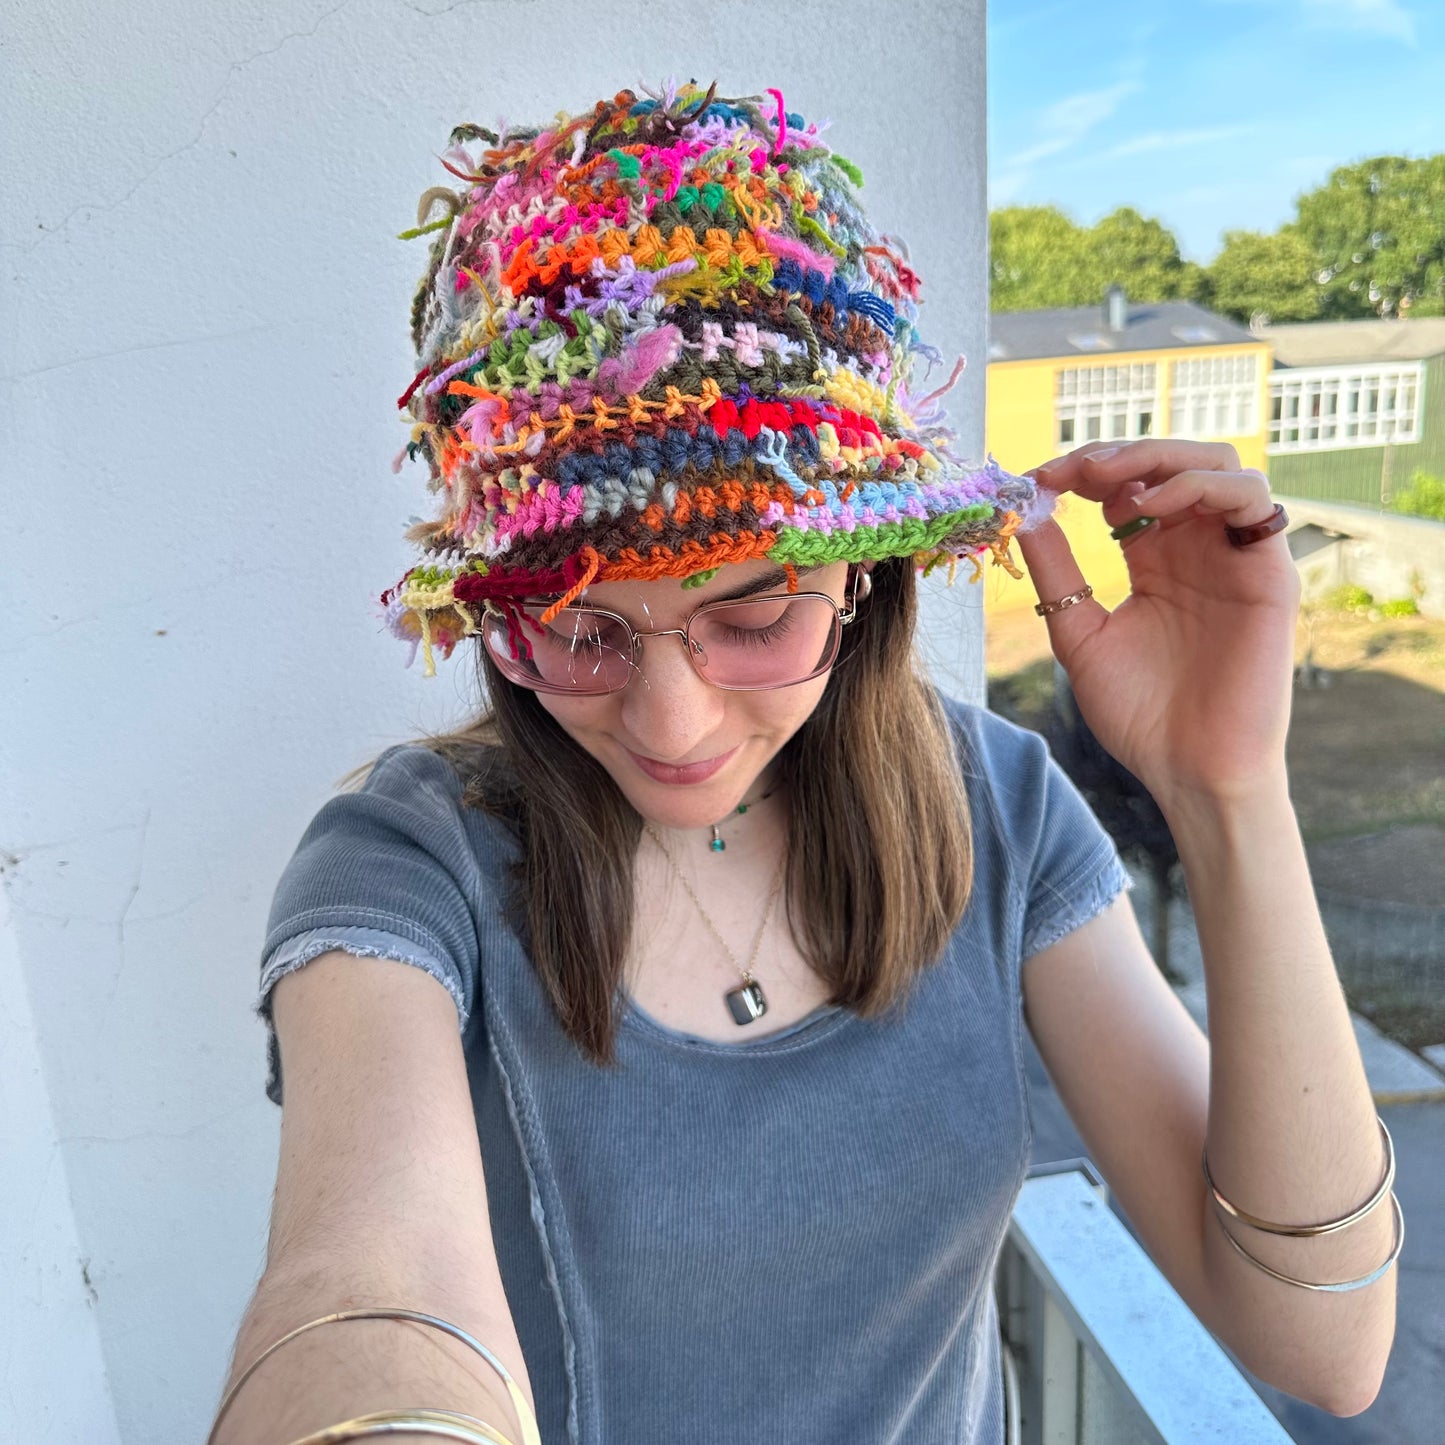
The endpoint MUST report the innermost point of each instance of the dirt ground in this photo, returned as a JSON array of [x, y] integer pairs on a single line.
[[1366, 758]]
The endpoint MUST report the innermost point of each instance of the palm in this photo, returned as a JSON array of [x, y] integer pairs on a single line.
[[1187, 681]]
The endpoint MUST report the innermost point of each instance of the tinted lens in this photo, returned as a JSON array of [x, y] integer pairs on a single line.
[[765, 642], [578, 651]]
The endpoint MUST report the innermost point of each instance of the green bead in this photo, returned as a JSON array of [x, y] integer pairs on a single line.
[[717, 845], [742, 807]]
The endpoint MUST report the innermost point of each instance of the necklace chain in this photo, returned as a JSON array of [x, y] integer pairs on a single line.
[[746, 971]]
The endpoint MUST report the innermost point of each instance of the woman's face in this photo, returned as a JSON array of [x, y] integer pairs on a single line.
[[669, 716]]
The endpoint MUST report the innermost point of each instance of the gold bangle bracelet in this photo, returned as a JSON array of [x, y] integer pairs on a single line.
[[1345, 1284], [1306, 1231], [441, 1424], [531, 1435]]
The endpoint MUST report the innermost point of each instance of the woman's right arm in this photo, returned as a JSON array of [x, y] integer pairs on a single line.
[[380, 1200]]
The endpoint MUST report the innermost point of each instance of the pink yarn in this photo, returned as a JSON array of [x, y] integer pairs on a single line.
[[792, 250], [782, 122], [651, 352]]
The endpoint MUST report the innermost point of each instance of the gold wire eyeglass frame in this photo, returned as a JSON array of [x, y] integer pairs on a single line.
[[509, 669]]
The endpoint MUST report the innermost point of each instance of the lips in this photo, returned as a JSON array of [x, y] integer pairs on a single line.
[[687, 773]]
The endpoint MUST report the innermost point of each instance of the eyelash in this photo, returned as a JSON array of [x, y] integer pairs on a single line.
[[761, 636], [749, 636]]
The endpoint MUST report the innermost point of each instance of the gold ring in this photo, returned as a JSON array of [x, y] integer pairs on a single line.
[[1045, 608]]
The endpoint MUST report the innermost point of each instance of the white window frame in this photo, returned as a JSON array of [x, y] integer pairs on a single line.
[[1117, 401], [1214, 395], [1334, 408]]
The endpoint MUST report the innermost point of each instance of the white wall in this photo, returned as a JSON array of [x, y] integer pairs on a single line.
[[204, 334], [1385, 553]]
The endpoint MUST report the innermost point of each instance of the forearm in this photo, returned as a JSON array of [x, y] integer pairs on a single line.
[[1292, 1133], [352, 1367]]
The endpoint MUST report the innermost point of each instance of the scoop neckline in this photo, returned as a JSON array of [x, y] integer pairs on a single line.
[[822, 1020]]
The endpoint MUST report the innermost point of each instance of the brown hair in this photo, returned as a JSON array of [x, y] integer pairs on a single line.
[[880, 856]]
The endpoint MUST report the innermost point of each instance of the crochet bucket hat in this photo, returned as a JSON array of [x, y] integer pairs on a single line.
[[659, 337]]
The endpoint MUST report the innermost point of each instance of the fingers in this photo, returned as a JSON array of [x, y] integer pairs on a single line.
[[1098, 469], [1239, 498], [1055, 574]]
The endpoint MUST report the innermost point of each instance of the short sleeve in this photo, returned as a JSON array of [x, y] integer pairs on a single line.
[[1064, 866], [387, 871]]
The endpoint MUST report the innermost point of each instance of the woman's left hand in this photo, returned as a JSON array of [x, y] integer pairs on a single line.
[[1187, 682]]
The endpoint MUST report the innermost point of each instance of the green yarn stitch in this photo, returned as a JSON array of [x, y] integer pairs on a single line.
[[699, 579], [416, 231], [805, 223], [628, 167], [889, 539], [848, 168]]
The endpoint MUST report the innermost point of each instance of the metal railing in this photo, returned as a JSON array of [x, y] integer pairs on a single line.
[[1098, 1347]]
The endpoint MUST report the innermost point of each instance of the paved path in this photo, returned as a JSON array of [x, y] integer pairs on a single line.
[[1410, 1409]]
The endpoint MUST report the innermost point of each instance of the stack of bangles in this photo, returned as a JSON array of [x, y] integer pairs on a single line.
[[414, 1420], [1309, 1231]]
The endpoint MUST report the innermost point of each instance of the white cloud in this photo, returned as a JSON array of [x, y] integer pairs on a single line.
[[1073, 117], [1388, 19], [1059, 127], [1379, 17], [1162, 140]]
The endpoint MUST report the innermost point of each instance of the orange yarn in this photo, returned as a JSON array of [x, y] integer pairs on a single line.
[[593, 564], [646, 247]]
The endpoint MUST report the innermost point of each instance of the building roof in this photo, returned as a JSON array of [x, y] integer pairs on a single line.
[[1084, 331], [1333, 343]]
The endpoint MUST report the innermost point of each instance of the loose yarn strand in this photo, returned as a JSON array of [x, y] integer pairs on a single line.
[[660, 336]]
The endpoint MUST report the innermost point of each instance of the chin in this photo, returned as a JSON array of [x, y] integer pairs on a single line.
[[684, 805]]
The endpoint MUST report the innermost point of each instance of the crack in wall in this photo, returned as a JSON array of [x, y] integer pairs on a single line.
[[235, 67]]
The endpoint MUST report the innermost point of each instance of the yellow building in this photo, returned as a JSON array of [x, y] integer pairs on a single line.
[[1057, 379]]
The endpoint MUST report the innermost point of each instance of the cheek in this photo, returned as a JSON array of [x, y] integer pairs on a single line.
[[774, 715], [580, 717], [783, 712]]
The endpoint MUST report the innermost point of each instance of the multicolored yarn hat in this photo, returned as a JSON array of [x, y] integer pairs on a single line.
[[660, 337]]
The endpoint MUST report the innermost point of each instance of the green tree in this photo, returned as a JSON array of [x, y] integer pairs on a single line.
[[1377, 230], [1196, 284], [1038, 258], [1139, 253], [1270, 277]]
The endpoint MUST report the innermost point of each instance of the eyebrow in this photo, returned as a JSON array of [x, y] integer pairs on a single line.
[[764, 583]]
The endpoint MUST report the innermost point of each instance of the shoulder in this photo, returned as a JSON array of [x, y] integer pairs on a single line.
[[410, 802], [1028, 815], [411, 772], [997, 756]]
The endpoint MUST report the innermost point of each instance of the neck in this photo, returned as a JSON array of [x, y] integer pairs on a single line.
[[747, 836]]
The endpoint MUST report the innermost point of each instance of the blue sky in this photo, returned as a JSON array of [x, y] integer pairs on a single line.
[[1210, 115]]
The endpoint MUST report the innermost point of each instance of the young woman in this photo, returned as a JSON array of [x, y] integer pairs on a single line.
[[714, 1127]]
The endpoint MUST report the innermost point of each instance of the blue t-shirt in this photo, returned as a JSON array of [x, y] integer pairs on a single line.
[[791, 1238]]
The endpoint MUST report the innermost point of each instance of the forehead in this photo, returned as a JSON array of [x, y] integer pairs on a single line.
[[667, 597]]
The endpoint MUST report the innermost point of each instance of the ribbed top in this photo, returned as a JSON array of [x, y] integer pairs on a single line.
[[788, 1238]]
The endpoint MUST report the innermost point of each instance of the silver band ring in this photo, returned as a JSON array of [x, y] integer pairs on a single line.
[[1045, 608]]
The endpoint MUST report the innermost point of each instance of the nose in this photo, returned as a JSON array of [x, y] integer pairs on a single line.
[[669, 711]]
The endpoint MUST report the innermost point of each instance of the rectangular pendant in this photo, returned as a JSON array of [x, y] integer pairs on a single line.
[[747, 1003]]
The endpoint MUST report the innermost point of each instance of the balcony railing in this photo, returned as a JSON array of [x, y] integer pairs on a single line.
[[1099, 1349]]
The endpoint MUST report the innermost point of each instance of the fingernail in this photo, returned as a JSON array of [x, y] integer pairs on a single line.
[[1147, 494], [1100, 455]]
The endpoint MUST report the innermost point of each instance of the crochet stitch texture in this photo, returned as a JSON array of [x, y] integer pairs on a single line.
[[659, 337]]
